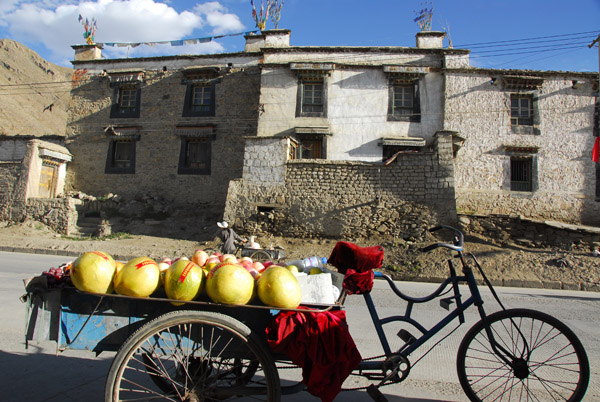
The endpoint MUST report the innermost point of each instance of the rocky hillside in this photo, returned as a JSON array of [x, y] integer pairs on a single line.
[[34, 94]]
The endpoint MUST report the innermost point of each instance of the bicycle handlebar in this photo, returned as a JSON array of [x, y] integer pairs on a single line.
[[457, 244]]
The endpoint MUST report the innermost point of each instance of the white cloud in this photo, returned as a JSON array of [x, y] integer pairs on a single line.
[[218, 18], [55, 24]]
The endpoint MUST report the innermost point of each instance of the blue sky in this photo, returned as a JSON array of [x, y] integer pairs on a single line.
[[506, 34]]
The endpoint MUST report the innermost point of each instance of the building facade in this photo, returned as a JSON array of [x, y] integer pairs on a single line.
[[336, 141]]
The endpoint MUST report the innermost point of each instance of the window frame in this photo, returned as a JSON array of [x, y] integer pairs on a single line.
[[304, 80], [117, 111], [525, 169], [183, 166], [188, 107], [111, 167], [415, 115], [301, 139], [518, 120]]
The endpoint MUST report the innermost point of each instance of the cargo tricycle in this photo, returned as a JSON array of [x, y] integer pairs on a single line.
[[203, 351]]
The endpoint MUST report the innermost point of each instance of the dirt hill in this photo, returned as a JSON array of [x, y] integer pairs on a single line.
[[34, 94]]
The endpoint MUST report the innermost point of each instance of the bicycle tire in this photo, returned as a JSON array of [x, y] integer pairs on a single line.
[[557, 366], [261, 255], [193, 356]]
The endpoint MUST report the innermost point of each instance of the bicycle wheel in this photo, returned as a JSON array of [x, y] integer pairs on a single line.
[[547, 363], [192, 356], [261, 255]]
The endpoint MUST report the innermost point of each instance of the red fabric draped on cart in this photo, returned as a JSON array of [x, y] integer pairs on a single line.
[[357, 264], [319, 343]]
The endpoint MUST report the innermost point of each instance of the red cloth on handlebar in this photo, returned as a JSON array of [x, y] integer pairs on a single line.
[[357, 264], [320, 343]]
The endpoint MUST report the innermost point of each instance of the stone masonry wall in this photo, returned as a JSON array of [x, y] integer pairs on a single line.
[[325, 198], [9, 177], [158, 149], [564, 175], [59, 214]]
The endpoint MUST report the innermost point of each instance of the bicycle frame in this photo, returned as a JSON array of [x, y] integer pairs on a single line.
[[457, 312]]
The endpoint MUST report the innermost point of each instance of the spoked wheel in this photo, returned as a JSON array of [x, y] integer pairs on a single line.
[[192, 356], [545, 361]]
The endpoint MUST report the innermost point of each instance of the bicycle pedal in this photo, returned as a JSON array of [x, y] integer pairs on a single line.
[[406, 336], [447, 302], [376, 394]]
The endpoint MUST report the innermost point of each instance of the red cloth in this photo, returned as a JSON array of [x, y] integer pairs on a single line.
[[320, 343], [596, 150], [356, 263]]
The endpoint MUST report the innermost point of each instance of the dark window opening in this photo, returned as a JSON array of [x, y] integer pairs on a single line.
[[521, 174], [309, 147], [121, 156], [195, 156]]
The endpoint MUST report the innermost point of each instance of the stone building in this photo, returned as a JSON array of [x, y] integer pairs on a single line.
[[335, 141], [32, 180], [528, 139]]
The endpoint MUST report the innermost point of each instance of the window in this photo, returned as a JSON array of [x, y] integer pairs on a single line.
[[404, 104], [312, 96], [121, 156], [310, 147], [521, 174], [199, 100], [521, 110], [195, 155], [127, 102]]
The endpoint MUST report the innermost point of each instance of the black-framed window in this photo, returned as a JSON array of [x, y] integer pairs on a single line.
[[404, 101], [312, 97], [127, 100], [199, 100], [521, 174], [195, 155], [121, 156], [521, 109]]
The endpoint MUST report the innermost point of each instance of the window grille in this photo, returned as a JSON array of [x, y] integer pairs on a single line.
[[520, 174]]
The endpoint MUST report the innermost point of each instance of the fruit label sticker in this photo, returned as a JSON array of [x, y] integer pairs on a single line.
[[186, 271], [144, 263], [101, 255]]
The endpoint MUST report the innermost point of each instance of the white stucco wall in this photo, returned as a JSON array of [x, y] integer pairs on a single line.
[[357, 101]]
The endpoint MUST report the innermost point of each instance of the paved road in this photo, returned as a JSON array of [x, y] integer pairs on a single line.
[[38, 374]]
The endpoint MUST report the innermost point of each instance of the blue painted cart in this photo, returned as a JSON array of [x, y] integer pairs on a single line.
[[199, 351]]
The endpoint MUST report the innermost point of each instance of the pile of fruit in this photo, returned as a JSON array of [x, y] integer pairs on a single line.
[[222, 278]]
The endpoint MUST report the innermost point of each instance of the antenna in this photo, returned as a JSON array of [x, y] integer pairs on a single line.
[[446, 28]]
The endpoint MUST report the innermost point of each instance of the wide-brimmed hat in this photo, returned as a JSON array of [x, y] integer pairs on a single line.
[[223, 225]]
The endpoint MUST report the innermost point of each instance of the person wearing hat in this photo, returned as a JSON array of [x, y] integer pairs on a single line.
[[228, 236]]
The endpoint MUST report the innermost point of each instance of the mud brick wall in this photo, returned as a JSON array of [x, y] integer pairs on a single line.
[[348, 199]]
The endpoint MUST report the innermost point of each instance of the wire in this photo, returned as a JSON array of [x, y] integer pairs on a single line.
[[470, 45]]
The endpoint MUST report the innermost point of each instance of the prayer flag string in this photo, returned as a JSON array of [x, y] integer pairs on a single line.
[[180, 42]]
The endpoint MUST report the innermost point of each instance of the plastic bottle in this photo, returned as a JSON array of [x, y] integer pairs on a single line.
[[307, 263]]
